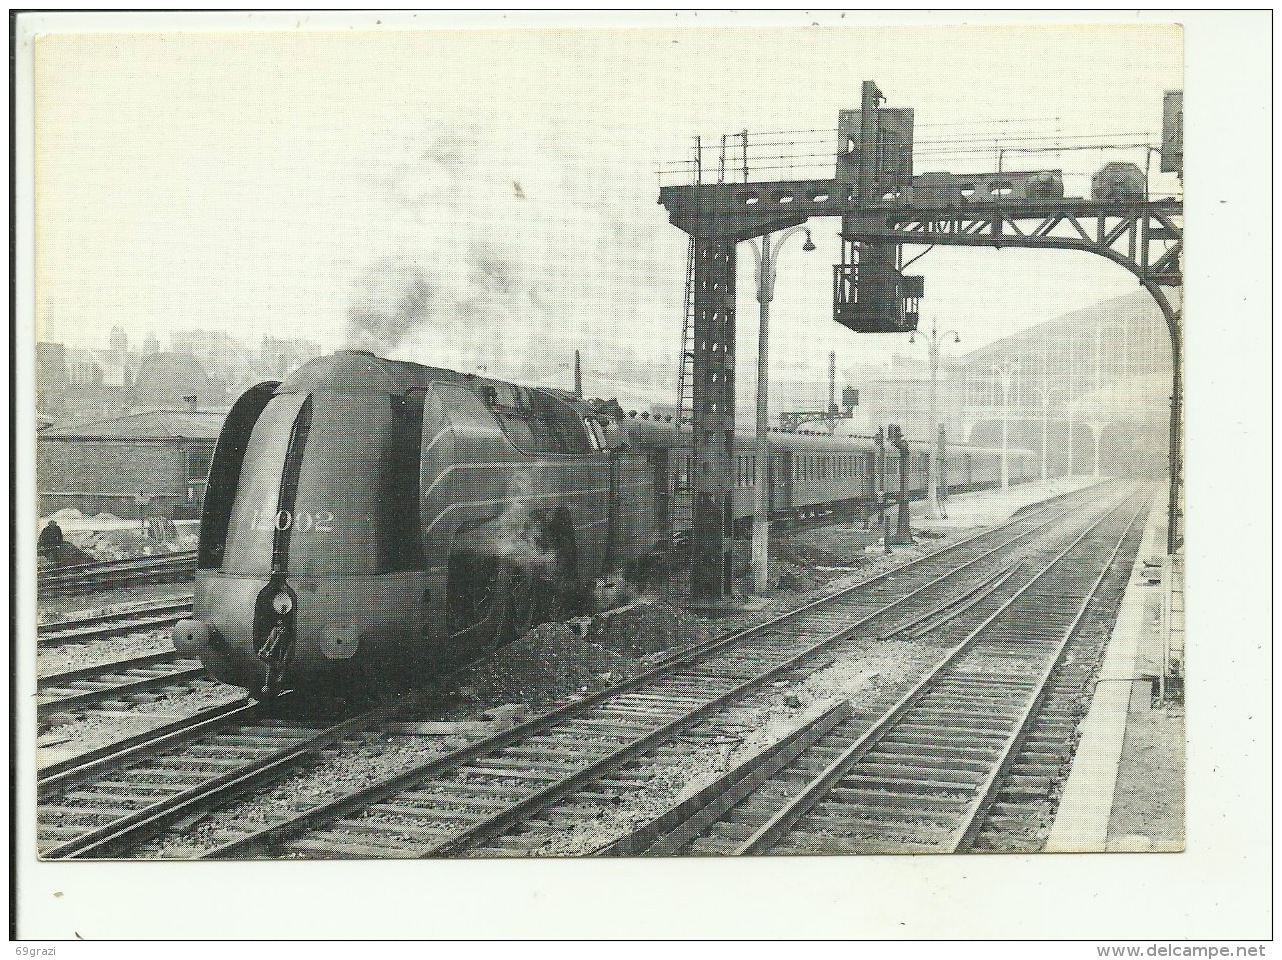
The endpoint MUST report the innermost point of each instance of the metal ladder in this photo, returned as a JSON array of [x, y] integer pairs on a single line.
[[680, 489]]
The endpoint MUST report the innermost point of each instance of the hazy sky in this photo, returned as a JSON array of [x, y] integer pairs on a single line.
[[499, 186]]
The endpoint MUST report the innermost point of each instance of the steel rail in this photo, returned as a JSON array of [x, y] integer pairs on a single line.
[[145, 822], [787, 817], [78, 769], [728, 790], [135, 746], [104, 625], [185, 670], [95, 566], [671, 830], [108, 666], [139, 825], [277, 833], [964, 836], [89, 577]]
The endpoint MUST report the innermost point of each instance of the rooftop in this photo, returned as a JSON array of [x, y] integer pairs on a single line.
[[145, 425]]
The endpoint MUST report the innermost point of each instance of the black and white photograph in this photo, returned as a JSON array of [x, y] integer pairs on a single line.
[[610, 439]]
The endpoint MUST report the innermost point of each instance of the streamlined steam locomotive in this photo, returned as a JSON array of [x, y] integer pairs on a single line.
[[371, 522]]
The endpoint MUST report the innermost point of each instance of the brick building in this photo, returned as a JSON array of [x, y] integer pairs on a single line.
[[144, 464]]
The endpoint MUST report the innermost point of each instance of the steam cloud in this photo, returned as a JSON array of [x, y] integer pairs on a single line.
[[488, 254], [512, 535]]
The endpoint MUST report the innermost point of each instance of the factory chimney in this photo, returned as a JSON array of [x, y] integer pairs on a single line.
[[578, 377]]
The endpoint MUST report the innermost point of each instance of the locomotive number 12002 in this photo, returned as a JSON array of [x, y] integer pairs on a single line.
[[322, 520]]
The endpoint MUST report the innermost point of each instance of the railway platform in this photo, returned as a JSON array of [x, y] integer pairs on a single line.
[[983, 507], [1125, 791]]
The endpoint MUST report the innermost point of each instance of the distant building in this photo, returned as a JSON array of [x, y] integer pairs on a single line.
[[213, 366], [277, 358], [219, 354], [51, 379], [1108, 370], [137, 465], [165, 379]]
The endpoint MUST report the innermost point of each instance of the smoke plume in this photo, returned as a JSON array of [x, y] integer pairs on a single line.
[[486, 253]]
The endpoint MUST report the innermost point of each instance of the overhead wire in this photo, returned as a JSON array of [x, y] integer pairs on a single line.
[[959, 147]]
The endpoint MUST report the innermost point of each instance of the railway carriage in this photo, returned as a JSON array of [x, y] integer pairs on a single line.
[[370, 522]]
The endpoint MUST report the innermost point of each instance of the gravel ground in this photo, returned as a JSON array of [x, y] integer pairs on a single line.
[[866, 671], [74, 656], [557, 663], [550, 665], [834, 555], [869, 670], [356, 763]]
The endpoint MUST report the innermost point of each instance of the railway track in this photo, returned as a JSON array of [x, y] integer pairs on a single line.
[[104, 802], [109, 574], [114, 802], [118, 680], [456, 804], [155, 616], [1020, 819], [953, 761]]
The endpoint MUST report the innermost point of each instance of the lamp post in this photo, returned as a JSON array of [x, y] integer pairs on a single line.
[[1097, 430], [766, 259], [1006, 371], [1045, 391], [935, 461]]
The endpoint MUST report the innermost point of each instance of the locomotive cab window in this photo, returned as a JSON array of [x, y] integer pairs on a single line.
[[538, 422]]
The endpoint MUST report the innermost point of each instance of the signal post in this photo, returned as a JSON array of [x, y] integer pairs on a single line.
[[883, 207]]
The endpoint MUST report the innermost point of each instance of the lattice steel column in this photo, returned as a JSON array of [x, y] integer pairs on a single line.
[[714, 359]]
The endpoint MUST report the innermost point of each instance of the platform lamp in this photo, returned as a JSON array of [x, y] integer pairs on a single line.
[[766, 259], [933, 342], [1006, 372]]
